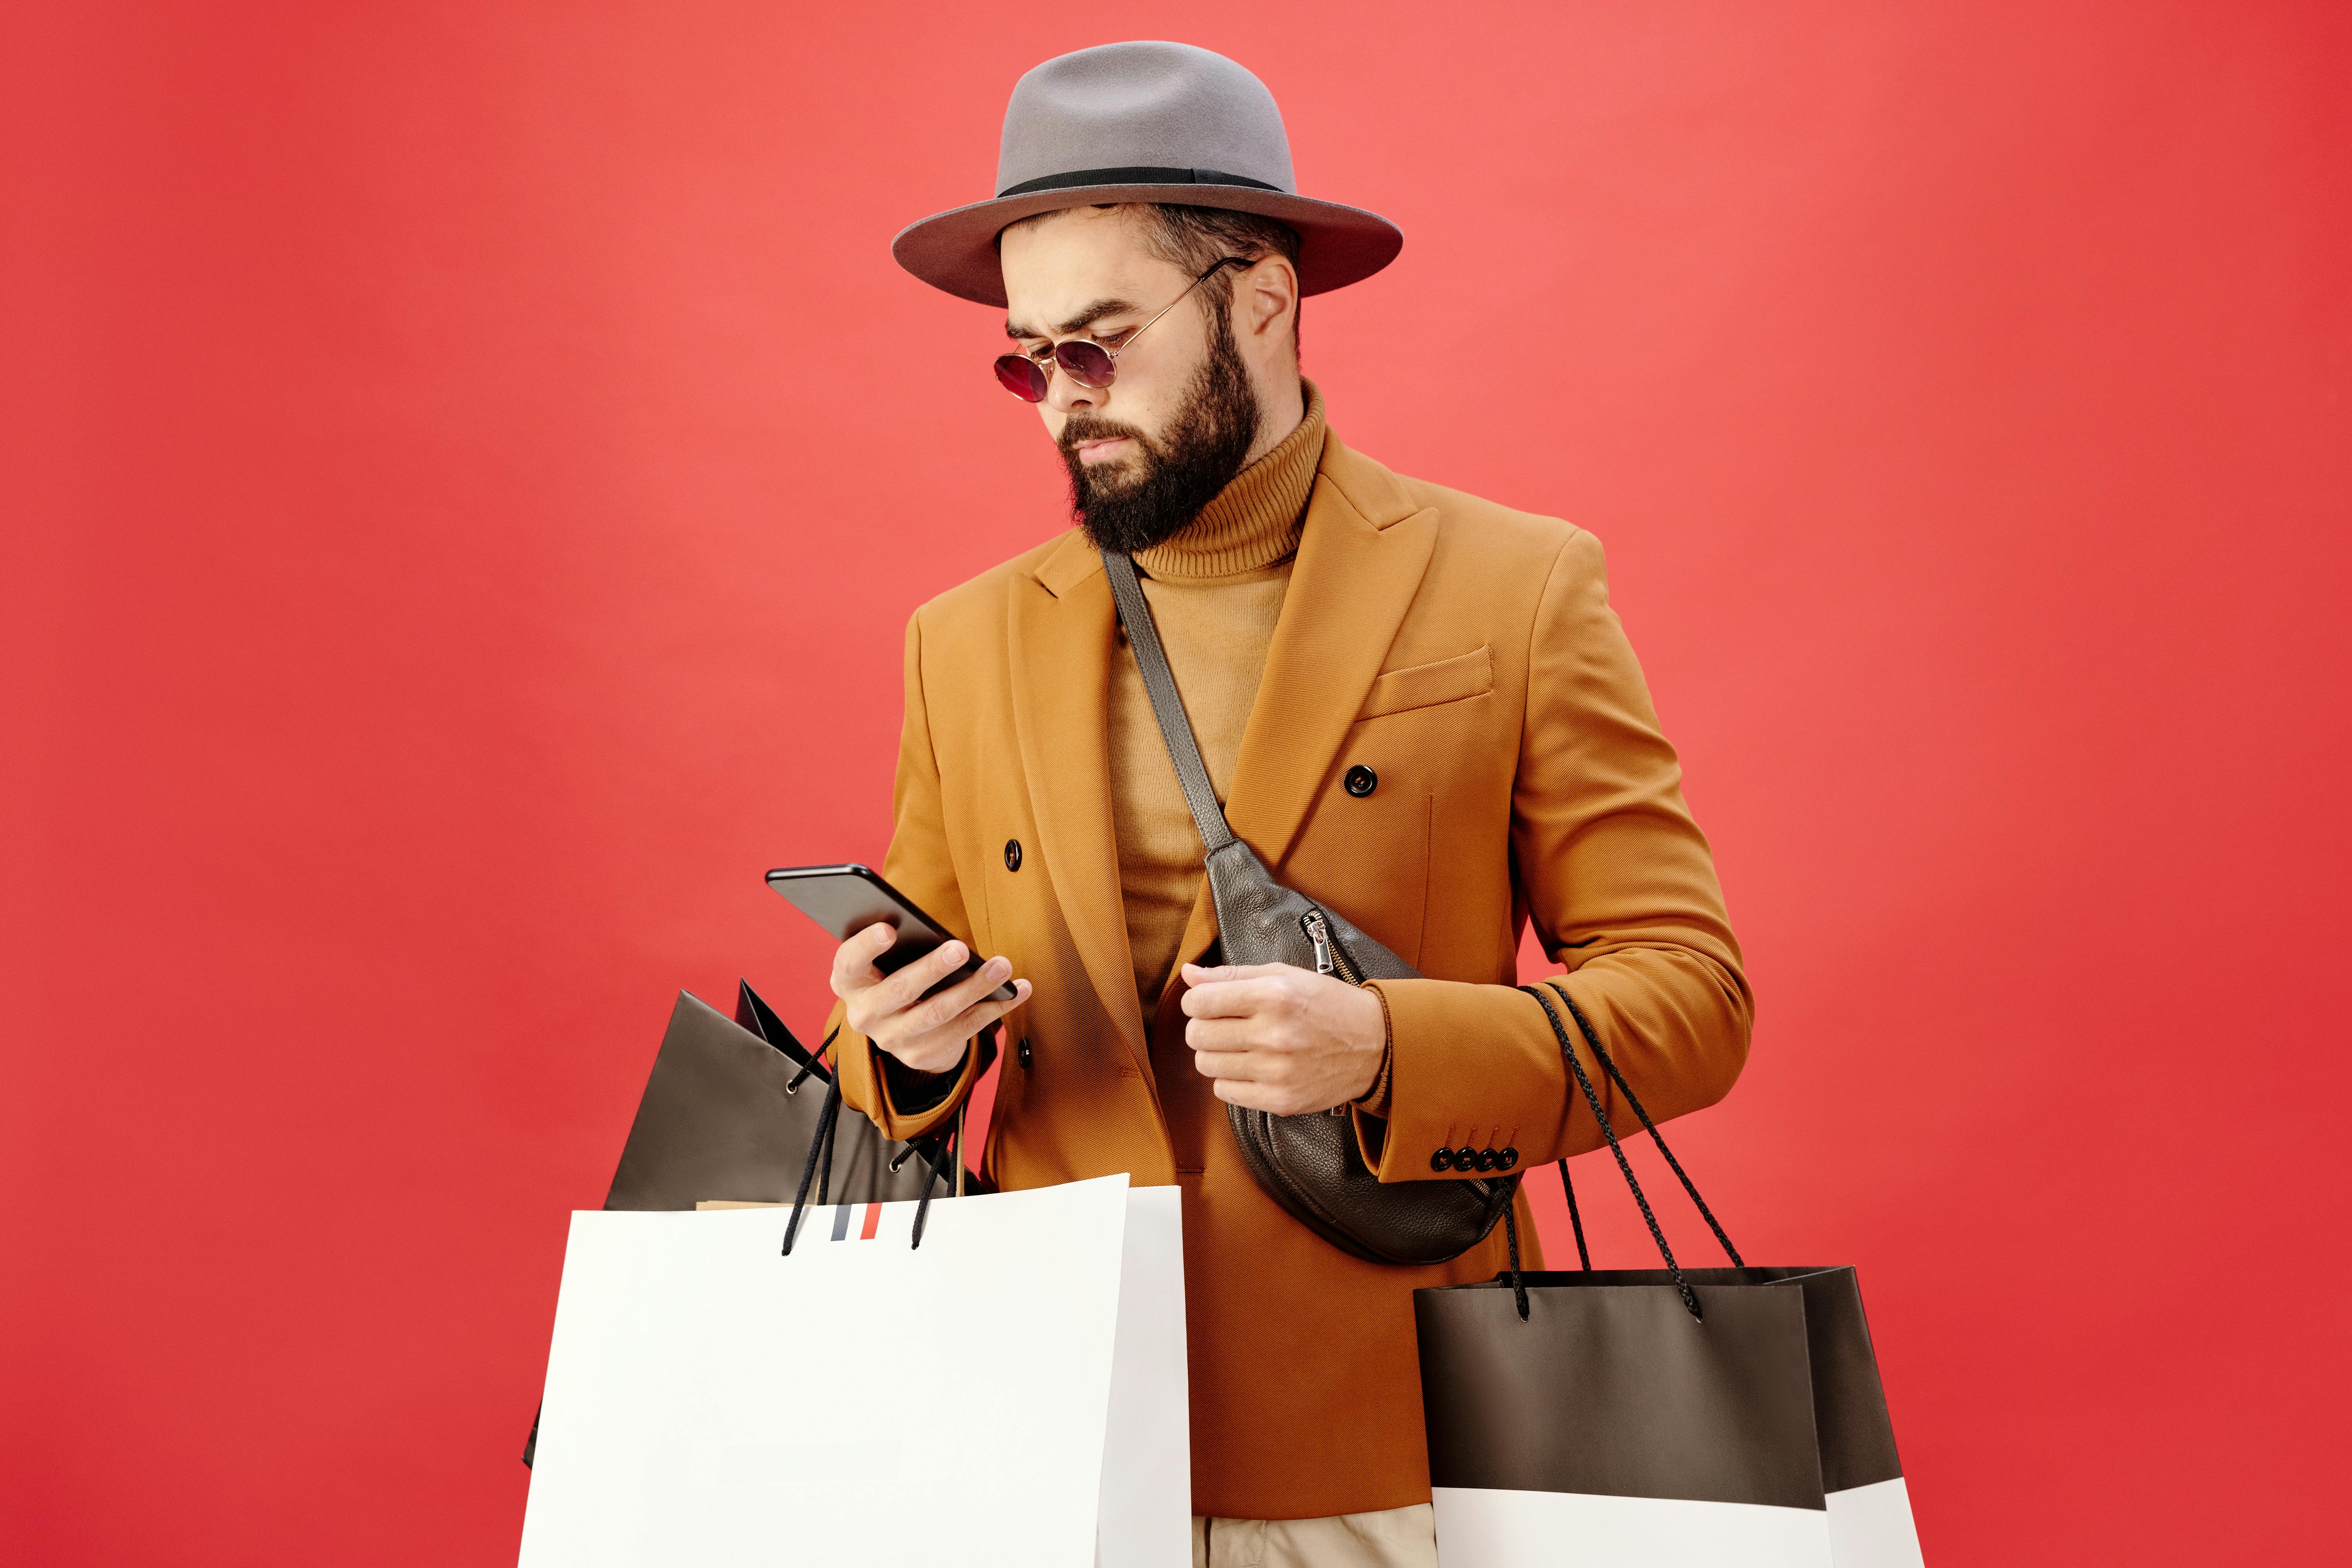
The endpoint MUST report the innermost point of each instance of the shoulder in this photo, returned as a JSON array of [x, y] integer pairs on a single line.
[[1476, 539], [977, 606]]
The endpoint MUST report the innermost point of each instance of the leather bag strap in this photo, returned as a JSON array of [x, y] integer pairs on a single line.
[[1167, 705]]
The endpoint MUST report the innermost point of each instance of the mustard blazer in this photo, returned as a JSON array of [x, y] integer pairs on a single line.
[[1466, 654]]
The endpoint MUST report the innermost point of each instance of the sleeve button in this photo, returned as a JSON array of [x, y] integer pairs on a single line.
[[1442, 1161], [1466, 1158], [1506, 1159], [1486, 1158]]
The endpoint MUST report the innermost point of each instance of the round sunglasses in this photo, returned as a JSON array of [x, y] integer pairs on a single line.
[[1086, 362]]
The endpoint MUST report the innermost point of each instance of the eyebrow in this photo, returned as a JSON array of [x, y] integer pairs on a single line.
[[1077, 323]]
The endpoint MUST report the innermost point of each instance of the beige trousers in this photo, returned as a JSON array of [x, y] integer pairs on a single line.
[[1393, 1538]]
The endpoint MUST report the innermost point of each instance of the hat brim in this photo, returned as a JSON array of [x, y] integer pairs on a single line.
[[956, 249]]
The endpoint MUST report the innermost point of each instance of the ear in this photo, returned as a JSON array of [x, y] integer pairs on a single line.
[[1265, 297]]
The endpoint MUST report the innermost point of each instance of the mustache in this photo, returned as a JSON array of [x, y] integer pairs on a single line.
[[1082, 429]]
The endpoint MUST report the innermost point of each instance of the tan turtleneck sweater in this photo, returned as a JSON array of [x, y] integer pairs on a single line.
[[1215, 590]]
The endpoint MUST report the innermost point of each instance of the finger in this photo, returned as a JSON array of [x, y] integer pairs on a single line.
[[1234, 998], [1223, 1034], [1228, 1066], [1252, 1096], [852, 961], [981, 1014], [938, 1012], [1210, 975], [898, 993]]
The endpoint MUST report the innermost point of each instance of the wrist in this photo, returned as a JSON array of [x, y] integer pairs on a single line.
[[912, 1090], [930, 1058], [1374, 1100]]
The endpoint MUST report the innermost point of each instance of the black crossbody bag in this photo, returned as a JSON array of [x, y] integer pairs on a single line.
[[1309, 1164]]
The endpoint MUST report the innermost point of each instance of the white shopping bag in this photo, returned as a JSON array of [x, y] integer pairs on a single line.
[[1011, 1392]]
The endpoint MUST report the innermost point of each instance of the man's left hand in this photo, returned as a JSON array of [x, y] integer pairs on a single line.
[[1270, 1037]]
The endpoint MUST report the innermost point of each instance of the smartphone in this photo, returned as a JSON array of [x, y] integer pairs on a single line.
[[845, 900]]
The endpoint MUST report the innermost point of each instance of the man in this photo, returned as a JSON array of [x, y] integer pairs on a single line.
[[1415, 705]]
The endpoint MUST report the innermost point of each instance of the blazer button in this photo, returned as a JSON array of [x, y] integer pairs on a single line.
[[1486, 1159], [1012, 854], [1502, 1161], [1442, 1161], [1361, 781], [1020, 1051], [1466, 1158]]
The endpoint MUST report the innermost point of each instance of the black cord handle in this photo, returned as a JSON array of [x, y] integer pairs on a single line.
[[949, 1148], [820, 1144], [825, 1167], [818, 1167], [1511, 1239], [793, 1084], [1610, 1067], [1583, 1256], [1584, 1082]]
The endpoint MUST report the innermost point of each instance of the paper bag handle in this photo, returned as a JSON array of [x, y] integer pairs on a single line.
[[1542, 993], [818, 1167]]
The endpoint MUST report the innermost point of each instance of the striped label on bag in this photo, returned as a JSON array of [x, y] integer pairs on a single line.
[[839, 1222], [846, 1214]]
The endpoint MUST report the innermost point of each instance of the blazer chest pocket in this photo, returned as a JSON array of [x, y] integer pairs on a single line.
[[1465, 675]]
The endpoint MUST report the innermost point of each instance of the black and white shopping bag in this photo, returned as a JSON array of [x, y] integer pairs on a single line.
[[1671, 1418]]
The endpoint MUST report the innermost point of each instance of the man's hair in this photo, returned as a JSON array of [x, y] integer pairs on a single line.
[[1193, 239]]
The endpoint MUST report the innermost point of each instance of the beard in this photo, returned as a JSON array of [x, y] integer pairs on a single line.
[[1149, 497]]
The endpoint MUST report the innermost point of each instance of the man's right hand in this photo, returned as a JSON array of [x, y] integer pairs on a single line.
[[927, 1033]]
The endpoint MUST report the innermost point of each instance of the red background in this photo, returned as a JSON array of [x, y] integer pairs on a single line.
[[466, 470]]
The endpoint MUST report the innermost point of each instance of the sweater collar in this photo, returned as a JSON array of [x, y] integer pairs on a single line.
[[1254, 521]]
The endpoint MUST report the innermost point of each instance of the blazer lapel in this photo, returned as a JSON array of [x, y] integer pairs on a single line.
[[1362, 554], [1062, 636]]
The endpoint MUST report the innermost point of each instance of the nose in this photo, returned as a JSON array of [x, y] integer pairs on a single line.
[[1064, 394]]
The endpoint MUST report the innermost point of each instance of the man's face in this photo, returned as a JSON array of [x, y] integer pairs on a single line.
[[1147, 452]]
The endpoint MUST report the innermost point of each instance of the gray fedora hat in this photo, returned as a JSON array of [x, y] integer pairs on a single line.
[[1143, 122]]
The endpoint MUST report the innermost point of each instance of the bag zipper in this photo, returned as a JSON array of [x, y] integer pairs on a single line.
[[1320, 935], [1329, 956]]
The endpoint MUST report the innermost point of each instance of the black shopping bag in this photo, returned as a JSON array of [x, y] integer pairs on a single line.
[[729, 1114], [739, 1111], [1729, 1418]]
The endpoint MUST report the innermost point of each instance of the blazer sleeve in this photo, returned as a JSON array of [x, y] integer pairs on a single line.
[[918, 865], [1620, 884]]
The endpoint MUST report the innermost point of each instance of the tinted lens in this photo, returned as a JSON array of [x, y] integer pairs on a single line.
[[1089, 364], [1022, 377]]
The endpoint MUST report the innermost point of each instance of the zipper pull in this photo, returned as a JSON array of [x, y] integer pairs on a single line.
[[1320, 935]]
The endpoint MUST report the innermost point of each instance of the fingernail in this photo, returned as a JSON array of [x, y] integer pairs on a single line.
[[998, 969]]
